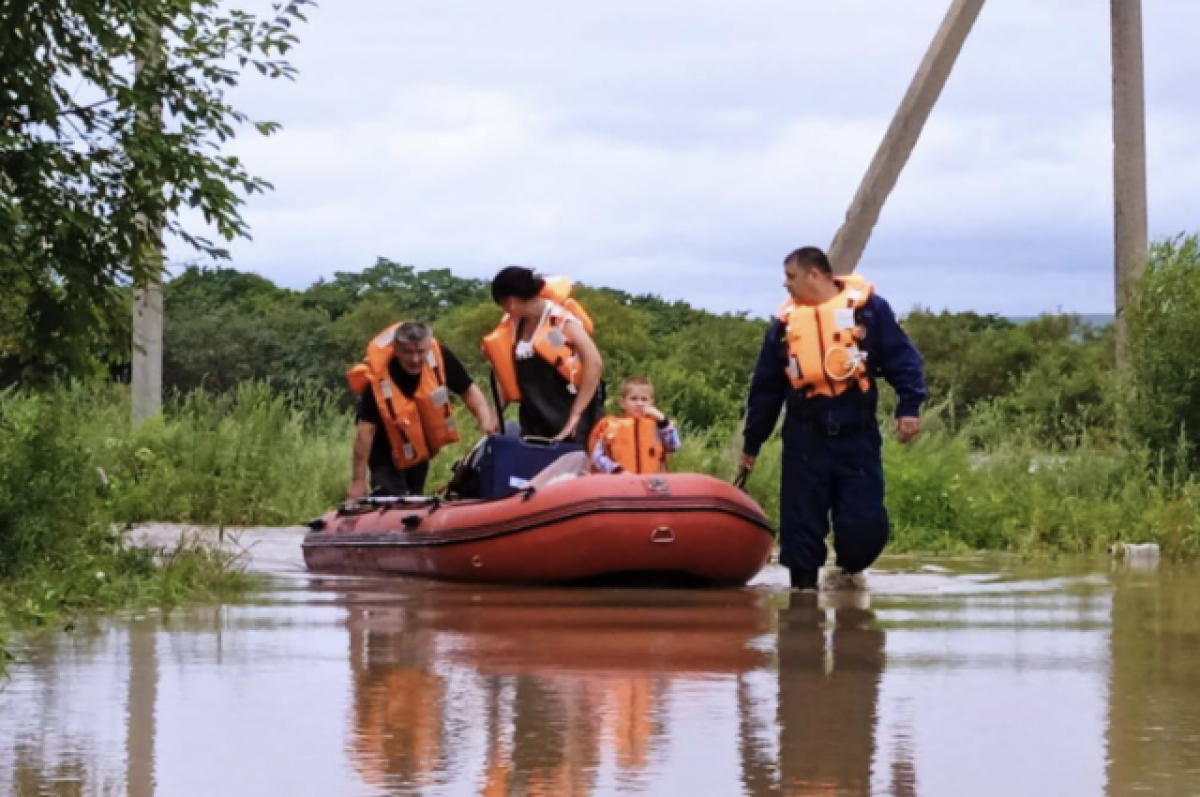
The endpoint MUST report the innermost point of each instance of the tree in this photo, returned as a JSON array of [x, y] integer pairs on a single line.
[[84, 165], [1163, 405]]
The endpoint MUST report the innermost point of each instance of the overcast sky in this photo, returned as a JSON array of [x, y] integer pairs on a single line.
[[683, 148]]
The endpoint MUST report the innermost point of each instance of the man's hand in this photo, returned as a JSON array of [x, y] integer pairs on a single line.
[[356, 490], [907, 428], [747, 463], [477, 404], [568, 430]]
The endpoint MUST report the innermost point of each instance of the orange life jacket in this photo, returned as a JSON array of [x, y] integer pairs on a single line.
[[419, 427], [824, 356], [549, 341], [632, 443]]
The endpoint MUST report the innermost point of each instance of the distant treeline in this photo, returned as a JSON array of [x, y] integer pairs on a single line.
[[225, 327]]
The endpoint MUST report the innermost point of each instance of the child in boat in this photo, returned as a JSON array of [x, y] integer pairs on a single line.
[[638, 440]]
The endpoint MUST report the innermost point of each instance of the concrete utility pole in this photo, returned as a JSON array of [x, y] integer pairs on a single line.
[[1129, 160], [147, 350], [902, 135], [146, 372]]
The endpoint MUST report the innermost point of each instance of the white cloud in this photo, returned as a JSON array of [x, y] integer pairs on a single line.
[[685, 147]]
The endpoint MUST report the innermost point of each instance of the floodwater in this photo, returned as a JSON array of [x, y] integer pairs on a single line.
[[957, 677]]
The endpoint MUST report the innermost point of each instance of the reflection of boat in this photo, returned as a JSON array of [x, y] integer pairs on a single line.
[[553, 633], [674, 527], [532, 690]]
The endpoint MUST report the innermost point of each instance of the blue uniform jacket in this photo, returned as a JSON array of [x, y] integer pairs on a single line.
[[890, 354]]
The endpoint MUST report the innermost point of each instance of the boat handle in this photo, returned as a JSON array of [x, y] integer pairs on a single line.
[[538, 442], [662, 534]]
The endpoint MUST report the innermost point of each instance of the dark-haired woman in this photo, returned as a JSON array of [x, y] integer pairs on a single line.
[[543, 356]]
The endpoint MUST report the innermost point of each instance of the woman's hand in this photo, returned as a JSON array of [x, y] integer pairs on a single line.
[[569, 429]]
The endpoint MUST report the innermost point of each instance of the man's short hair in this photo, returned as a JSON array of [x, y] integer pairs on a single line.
[[810, 257], [413, 332]]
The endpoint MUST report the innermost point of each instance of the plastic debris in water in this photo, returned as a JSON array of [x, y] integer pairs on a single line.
[[1134, 550]]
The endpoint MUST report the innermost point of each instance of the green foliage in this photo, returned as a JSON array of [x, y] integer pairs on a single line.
[[942, 496], [1163, 402], [224, 328], [60, 549], [1050, 377], [1048, 380], [90, 174], [251, 456], [221, 331]]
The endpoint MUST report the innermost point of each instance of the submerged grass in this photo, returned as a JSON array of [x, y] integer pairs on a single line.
[[49, 598]]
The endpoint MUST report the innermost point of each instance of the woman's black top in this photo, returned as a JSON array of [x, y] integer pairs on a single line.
[[546, 402]]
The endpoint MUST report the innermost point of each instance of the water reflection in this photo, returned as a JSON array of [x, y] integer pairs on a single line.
[[577, 687], [571, 683], [1027, 684], [143, 698], [1154, 713], [830, 664]]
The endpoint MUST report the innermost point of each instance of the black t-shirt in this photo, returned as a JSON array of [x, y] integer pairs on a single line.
[[457, 379]]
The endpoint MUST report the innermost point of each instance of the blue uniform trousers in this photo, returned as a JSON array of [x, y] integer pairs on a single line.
[[831, 473]]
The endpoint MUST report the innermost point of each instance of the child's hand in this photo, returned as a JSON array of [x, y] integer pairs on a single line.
[[654, 412]]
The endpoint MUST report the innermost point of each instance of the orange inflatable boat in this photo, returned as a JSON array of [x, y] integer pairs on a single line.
[[686, 529]]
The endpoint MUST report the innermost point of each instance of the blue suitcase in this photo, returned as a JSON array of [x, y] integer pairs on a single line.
[[506, 463]]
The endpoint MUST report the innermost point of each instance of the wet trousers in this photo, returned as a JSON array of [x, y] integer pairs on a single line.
[[831, 474]]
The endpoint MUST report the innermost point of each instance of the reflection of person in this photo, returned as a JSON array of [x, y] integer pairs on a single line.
[[405, 383], [399, 699], [830, 666], [543, 356], [820, 358], [556, 747], [639, 439]]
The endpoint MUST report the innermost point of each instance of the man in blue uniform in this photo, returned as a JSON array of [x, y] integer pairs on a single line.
[[821, 359]]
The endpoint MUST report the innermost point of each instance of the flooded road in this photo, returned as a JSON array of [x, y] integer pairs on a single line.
[[967, 677]]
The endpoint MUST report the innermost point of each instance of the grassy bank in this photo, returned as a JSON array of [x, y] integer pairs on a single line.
[[62, 546], [261, 457], [74, 475]]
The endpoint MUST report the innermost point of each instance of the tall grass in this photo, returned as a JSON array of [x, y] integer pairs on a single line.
[[72, 471], [947, 494], [260, 456], [251, 456]]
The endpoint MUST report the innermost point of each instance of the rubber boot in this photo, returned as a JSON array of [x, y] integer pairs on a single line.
[[803, 579]]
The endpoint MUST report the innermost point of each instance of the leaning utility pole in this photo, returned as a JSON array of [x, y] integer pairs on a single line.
[[1129, 161], [147, 359], [902, 135]]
